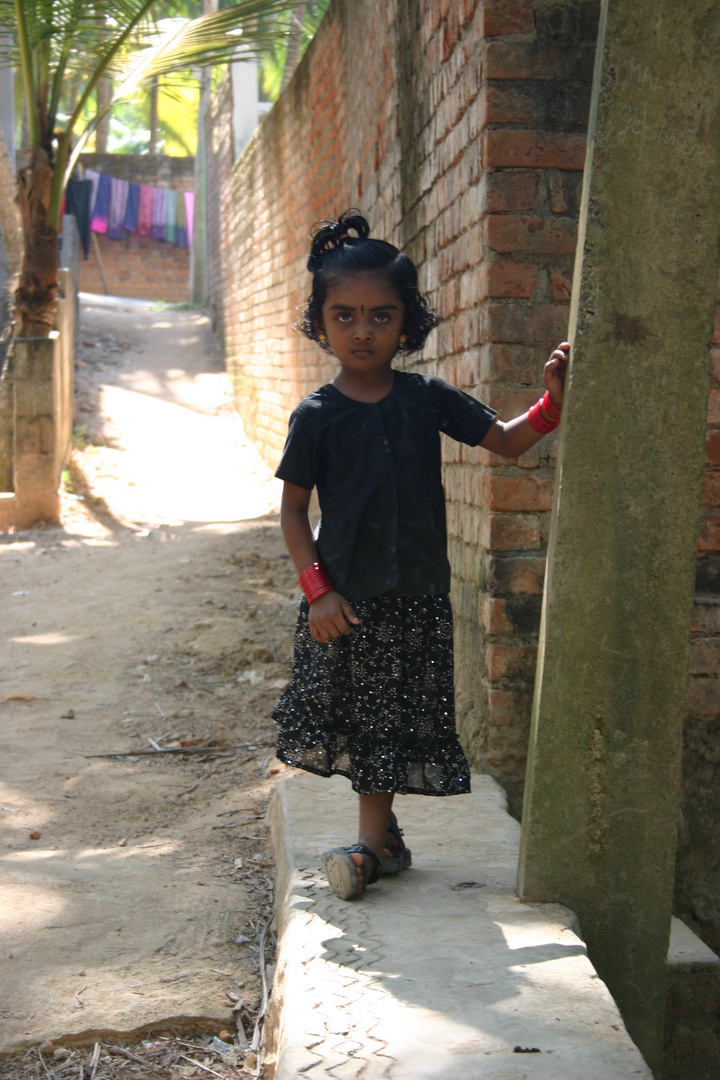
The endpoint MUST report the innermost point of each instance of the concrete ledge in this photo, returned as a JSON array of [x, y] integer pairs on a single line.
[[437, 972]]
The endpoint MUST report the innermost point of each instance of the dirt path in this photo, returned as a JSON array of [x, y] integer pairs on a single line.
[[134, 883]]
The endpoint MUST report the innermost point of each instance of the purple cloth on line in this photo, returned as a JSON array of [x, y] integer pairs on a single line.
[[99, 222], [157, 229], [133, 207], [118, 204], [189, 208], [145, 209]]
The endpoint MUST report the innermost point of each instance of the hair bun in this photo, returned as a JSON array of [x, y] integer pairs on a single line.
[[328, 235]]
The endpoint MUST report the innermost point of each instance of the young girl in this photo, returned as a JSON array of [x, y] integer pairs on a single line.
[[371, 695]]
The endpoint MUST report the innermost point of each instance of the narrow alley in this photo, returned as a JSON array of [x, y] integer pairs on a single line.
[[146, 640]]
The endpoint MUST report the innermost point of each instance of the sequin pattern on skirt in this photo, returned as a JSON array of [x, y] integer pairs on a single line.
[[377, 705]]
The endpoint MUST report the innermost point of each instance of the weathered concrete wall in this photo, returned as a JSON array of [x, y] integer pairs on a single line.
[[602, 791], [459, 128]]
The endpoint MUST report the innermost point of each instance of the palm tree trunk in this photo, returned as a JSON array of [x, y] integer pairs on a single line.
[[293, 50], [103, 128], [152, 147], [36, 292]]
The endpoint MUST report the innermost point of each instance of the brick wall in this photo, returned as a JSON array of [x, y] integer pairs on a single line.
[[458, 126], [137, 266]]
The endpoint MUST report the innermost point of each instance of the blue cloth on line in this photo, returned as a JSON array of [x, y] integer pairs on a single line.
[[133, 205]]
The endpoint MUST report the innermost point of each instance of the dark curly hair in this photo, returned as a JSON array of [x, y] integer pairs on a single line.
[[335, 251]]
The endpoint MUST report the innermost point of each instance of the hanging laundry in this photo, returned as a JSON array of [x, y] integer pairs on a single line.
[[99, 222], [132, 208], [94, 178], [145, 209], [181, 227], [189, 208], [118, 204], [78, 196], [171, 202], [157, 229]]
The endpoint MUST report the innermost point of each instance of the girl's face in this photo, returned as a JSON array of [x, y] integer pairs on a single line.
[[362, 318]]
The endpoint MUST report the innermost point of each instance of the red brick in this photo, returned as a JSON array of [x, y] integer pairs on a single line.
[[545, 324], [705, 656], [705, 618], [510, 661], [506, 105], [531, 60], [507, 707], [711, 490], [712, 447], [715, 372], [529, 232], [494, 617], [507, 278], [505, 191], [511, 364], [513, 149], [709, 537], [511, 532], [558, 202], [561, 286], [703, 696], [713, 416], [506, 17], [517, 492], [510, 402]]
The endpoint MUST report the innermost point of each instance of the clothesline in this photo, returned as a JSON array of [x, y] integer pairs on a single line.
[[105, 204]]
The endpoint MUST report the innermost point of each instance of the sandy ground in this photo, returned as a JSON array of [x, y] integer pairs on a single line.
[[158, 617]]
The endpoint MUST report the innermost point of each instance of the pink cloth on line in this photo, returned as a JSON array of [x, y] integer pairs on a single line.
[[189, 208], [144, 220]]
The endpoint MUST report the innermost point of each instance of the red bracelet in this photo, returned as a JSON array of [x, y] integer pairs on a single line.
[[535, 415], [314, 582]]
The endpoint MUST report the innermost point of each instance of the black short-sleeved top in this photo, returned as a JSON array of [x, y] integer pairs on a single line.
[[378, 471]]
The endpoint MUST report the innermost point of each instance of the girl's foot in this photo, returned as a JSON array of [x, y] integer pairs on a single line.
[[396, 856], [350, 870]]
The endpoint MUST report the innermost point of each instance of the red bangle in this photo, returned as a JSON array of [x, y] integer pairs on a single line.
[[535, 415], [314, 582], [551, 410]]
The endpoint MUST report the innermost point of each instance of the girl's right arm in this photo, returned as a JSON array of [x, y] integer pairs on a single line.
[[330, 615]]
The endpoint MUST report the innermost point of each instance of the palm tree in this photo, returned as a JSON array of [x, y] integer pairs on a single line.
[[118, 40]]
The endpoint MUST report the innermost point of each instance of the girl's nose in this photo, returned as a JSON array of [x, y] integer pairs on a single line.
[[363, 329]]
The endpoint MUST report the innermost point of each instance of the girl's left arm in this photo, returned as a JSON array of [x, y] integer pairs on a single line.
[[513, 438]]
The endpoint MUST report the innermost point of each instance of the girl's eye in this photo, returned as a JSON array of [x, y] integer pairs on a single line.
[[344, 317], [382, 317]]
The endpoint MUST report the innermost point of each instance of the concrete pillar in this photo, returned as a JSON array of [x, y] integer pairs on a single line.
[[601, 799], [37, 382]]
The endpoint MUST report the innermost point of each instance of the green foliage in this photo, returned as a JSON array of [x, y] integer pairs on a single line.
[[65, 47], [272, 63]]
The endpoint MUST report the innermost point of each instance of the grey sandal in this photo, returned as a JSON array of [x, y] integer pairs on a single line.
[[342, 873], [400, 857]]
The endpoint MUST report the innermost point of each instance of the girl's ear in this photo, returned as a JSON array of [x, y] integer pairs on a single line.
[[320, 331]]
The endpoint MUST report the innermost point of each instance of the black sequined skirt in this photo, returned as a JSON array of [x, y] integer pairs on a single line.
[[377, 705]]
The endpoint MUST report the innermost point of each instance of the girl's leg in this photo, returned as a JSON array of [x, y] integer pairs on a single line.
[[375, 812]]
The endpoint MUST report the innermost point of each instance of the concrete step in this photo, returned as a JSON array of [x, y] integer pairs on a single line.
[[438, 972]]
